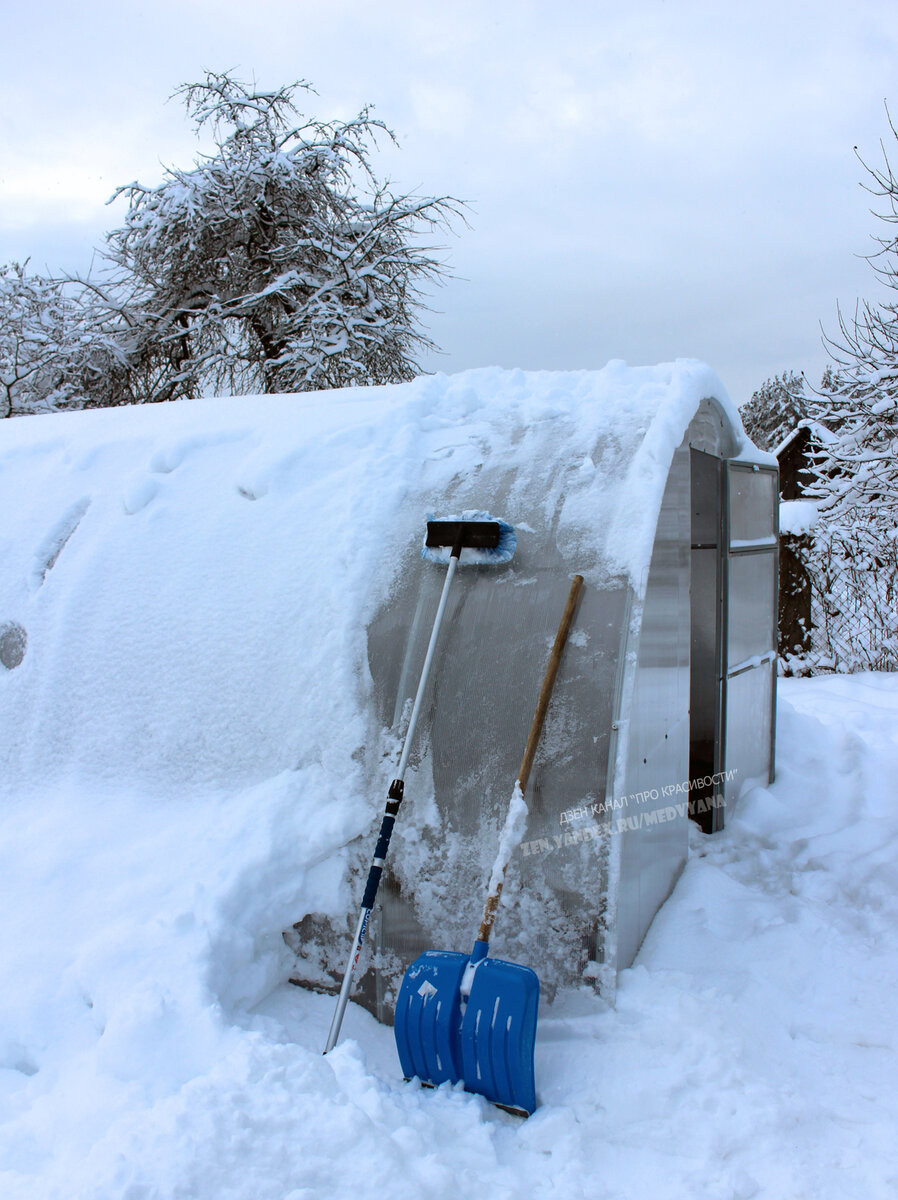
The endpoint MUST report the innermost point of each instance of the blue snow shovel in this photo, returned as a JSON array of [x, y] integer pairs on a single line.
[[470, 1017], [488, 541]]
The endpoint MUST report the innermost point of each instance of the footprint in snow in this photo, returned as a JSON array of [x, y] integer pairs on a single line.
[[48, 552], [168, 458], [139, 495]]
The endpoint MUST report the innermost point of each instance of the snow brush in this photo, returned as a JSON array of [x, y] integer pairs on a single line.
[[470, 1017], [485, 541]]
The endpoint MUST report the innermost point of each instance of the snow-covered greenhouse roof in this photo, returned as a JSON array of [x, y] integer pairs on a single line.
[[231, 551]]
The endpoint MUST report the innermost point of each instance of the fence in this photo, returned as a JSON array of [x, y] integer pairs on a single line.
[[836, 613]]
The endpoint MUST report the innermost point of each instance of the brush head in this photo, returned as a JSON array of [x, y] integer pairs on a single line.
[[476, 538]]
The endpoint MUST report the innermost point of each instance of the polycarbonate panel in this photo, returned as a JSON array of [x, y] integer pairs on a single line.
[[704, 685], [749, 733], [704, 676], [753, 504], [752, 601], [705, 498], [499, 628], [705, 664], [652, 822]]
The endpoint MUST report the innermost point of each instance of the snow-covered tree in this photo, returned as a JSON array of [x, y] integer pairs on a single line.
[[277, 263], [857, 471], [775, 409]]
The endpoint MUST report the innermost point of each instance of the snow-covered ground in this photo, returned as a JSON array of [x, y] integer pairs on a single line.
[[752, 1051], [180, 776]]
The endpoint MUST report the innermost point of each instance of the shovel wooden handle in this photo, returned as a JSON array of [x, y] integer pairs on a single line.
[[536, 728]]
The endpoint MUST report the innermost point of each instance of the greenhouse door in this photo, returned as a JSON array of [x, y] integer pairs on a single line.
[[750, 588]]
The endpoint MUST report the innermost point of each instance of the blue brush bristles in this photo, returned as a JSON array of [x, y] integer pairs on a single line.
[[471, 557]]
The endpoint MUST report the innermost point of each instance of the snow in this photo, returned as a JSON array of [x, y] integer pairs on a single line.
[[752, 1051], [509, 838], [821, 435], [754, 660], [745, 543], [798, 516], [883, 406], [182, 768]]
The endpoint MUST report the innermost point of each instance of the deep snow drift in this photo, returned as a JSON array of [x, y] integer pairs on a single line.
[[180, 778], [751, 1054]]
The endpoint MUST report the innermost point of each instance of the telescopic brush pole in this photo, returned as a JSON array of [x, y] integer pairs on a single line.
[[391, 811]]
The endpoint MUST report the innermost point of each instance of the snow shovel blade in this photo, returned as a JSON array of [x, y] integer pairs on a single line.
[[428, 1017], [498, 1032]]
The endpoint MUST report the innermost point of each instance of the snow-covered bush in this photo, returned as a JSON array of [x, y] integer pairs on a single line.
[[61, 345]]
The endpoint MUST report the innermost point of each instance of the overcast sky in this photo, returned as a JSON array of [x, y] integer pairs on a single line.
[[646, 180]]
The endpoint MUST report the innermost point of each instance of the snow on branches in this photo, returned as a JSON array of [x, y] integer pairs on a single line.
[[775, 409]]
